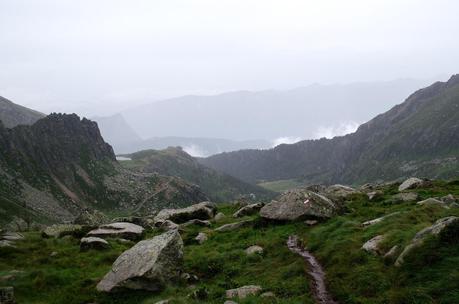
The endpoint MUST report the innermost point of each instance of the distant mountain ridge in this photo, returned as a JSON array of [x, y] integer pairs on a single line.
[[417, 137], [12, 114]]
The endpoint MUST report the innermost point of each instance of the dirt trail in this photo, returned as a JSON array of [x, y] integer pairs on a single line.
[[314, 269]]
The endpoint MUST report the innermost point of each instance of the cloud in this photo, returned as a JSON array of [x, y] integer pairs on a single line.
[[285, 140], [195, 151], [337, 130]]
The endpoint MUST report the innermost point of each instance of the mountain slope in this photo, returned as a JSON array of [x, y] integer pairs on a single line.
[[60, 165], [175, 162], [417, 137], [12, 114]]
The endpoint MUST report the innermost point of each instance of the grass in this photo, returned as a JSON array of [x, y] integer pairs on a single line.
[[281, 185], [429, 275]]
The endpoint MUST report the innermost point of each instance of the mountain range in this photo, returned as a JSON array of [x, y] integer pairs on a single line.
[[418, 137]]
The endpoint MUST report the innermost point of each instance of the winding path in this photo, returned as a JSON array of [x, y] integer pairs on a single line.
[[319, 291]]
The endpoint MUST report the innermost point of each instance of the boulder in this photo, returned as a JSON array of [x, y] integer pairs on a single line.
[[167, 225], [339, 192], [196, 222], [406, 196], [254, 250], [118, 230], [433, 202], [93, 243], [448, 199], [372, 246], [219, 216], [234, 226], [244, 291], [419, 238], [230, 302], [12, 236], [201, 237], [60, 230], [311, 222], [201, 211], [392, 252], [141, 221], [378, 220], [374, 195], [411, 183], [149, 265], [91, 218], [299, 204], [248, 210]]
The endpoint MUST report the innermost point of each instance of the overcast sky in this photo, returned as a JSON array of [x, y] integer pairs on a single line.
[[96, 57]]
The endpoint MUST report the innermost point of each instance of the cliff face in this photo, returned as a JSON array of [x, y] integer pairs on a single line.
[[60, 165], [417, 137]]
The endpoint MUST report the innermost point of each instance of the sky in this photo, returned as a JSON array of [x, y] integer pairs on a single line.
[[97, 57]]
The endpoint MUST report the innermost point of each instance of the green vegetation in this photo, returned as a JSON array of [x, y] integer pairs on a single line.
[[429, 275]]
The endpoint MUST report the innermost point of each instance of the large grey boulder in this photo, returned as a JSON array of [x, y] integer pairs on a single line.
[[299, 204], [248, 210], [60, 230], [339, 192], [420, 237], [244, 291], [201, 211], [149, 265], [411, 183], [118, 230]]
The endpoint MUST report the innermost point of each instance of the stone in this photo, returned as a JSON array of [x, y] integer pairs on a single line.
[[91, 218], [372, 246], [299, 204], [54, 254], [189, 278], [248, 210], [419, 238], [378, 220], [219, 216], [118, 230], [244, 291], [7, 295], [196, 222], [201, 237], [12, 236], [406, 196], [339, 192], [411, 183], [254, 250], [167, 225], [311, 222], [392, 252], [268, 294], [61, 230], [234, 226], [374, 194], [141, 221], [201, 211], [163, 302], [432, 202], [448, 199], [149, 265], [87, 243]]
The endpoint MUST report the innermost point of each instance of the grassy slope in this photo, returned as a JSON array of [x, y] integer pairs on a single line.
[[431, 274], [281, 185]]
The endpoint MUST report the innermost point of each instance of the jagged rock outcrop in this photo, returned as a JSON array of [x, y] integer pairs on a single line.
[[12, 115], [149, 265]]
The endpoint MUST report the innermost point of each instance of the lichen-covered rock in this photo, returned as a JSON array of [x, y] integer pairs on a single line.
[[254, 250], [149, 265], [372, 246], [406, 196], [244, 291], [201, 237], [60, 230], [201, 211], [411, 183], [248, 210], [93, 243], [91, 218], [118, 230], [299, 204], [167, 225]]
